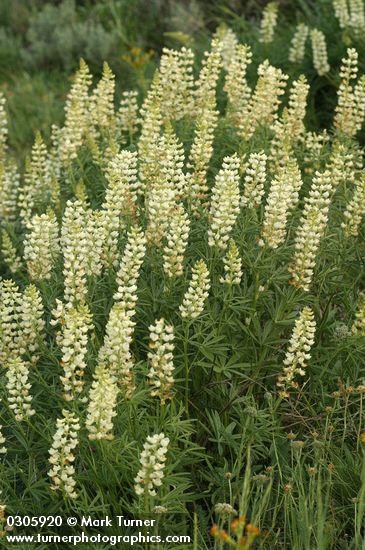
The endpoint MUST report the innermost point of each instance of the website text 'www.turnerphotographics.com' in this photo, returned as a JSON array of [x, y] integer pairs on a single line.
[[146, 535]]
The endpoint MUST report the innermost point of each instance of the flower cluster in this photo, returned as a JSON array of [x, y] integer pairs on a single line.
[[198, 291], [342, 13], [101, 102], [3, 127], [127, 119], [62, 454], [77, 120], [297, 46], [175, 83], [129, 269], [32, 325], [176, 242], [41, 246], [3, 449], [17, 385], [75, 323], [236, 86], [36, 188], [9, 189], [161, 360], [310, 230], [262, 108], [152, 459], [350, 110], [101, 408], [119, 203], [282, 198], [254, 180], [9, 252], [298, 354], [319, 48], [75, 244], [268, 23], [225, 202], [115, 352], [355, 208], [358, 326], [232, 265]]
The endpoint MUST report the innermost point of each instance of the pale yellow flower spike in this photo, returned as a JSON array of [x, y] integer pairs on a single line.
[[358, 327], [355, 209], [311, 230], [152, 459], [298, 355], [268, 23], [319, 48]]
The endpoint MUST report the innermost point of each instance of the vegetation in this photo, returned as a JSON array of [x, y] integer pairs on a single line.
[[182, 313]]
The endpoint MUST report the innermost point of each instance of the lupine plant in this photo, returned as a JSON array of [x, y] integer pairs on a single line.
[[182, 306]]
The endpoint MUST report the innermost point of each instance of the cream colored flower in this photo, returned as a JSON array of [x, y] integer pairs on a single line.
[[152, 459], [298, 355], [225, 202], [9, 252], [101, 408], [319, 47], [18, 386], [160, 358], [268, 23], [41, 246], [311, 230], [176, 242], [62, 455], [254, 180], [197, 293], [355, 209], [358, 326], [232, 265], [297, 46]]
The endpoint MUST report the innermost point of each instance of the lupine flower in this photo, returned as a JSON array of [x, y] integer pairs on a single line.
[[355, 209], [201, 153], [236, 86], [3, 128], [102, 404], [10, 300], [205, 93], [75, 246], [9, 252], [254, 180], [176, 242], [289, 130], [283, 197], [77, 119], [41, 247], [268, 23], [9, 189], [198, 291], [341, 12], [176, 82], [62, 454], [120, 202], [228, 42], [36, 188], [350, 110], [127, 119], [152, 459], [31, 323], [314, 145], [148, 144], [101, 102], [75, 323], [310, 230], [319, 48], [225, 202], [358, 327], [297, 356], [232, 265], [264, 103], [357, 15], [115, 352], [130, 265], [343, 164], [3, 449], [297, 46], [161, 360], [18, 386], [168, 185]]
